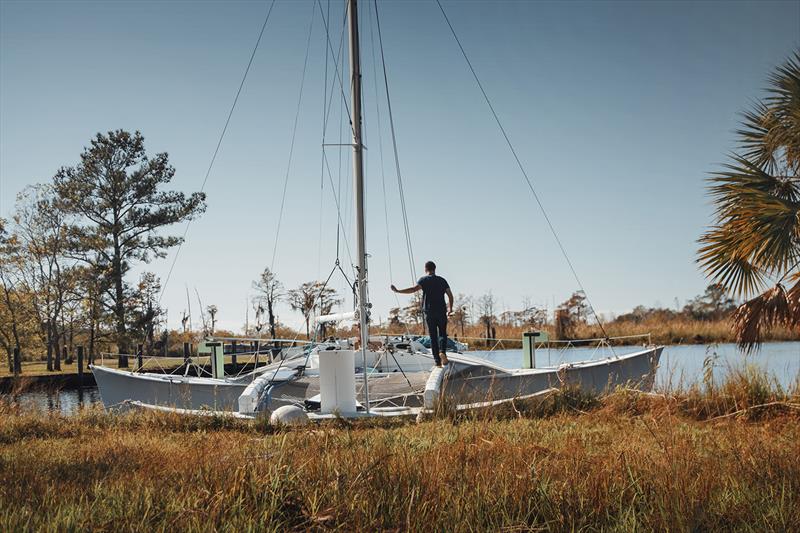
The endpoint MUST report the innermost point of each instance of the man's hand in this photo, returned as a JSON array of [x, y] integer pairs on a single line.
[[394, 289]]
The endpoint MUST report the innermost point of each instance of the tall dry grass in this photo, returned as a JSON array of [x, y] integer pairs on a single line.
[[715, 457]]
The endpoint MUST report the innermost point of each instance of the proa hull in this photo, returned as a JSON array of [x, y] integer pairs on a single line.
[[185, 392], [464, 382]]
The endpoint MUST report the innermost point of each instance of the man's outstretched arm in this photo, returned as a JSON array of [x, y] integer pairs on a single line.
[[410, 290], [450, 299]]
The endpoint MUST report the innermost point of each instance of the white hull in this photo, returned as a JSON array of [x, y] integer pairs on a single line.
[[118, 387], [465, 381]]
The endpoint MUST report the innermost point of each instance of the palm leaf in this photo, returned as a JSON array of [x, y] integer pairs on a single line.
[[774, 307]]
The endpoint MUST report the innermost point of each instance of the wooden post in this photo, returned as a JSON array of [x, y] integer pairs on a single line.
[[80, 366], [187, 355], [233, 353], [139, 359], [17, 362], [122, 361]]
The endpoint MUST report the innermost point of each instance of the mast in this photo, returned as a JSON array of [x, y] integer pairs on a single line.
[[358, 179]]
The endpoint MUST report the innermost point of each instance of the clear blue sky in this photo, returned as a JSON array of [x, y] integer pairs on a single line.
[[618, 110]]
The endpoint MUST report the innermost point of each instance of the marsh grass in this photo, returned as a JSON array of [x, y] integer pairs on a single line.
[[676, 330], [704, 458]]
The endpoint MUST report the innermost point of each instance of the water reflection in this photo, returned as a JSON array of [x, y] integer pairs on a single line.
[[65, 402]]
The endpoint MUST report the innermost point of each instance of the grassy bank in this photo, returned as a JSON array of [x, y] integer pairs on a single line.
[[665, 332], [724, 458]]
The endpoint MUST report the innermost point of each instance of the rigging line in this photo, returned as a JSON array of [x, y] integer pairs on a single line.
[[409, 247], [336, 61], [522, 168], [330, 46], [338, 209], [294, 136], [380, 152], [219, 143], [322, 155], [383, 178]]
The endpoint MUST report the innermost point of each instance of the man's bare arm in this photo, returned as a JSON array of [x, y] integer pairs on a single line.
[[410, 290], [450, 298]]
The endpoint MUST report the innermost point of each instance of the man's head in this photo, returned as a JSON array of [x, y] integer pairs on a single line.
[[430, 267]]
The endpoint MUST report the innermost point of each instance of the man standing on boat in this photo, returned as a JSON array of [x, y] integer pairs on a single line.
[[433, 289]]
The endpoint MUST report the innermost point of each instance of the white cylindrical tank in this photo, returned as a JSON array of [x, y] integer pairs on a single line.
[[337, 382]]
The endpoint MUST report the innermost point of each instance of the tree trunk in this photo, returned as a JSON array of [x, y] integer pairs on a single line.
[[56, 348], [119, 308], [91, 341], [272, 319], [49, 339]]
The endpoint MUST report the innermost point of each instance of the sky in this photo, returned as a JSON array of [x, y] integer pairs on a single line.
[[618, 111]]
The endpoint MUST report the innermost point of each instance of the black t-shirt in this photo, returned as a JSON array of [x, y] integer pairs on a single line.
[[433, 291]]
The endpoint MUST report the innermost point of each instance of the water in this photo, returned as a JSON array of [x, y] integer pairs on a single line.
[[680, 366], [65, 402]]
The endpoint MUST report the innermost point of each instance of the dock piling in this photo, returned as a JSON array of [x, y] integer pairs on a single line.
[[80, 366]]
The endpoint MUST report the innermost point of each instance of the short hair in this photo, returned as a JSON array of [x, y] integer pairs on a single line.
[[430, 265]]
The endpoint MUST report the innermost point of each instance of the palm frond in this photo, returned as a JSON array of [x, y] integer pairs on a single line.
[[774, 307], [758, 314], [770, 133], [758, 231]]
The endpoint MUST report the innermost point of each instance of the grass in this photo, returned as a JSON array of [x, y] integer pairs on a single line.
[[714, 457]]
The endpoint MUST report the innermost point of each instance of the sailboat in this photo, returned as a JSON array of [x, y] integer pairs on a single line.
[[339, 377]]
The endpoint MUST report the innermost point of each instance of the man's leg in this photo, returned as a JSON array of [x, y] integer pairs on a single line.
[[443, 338], [433, 332]]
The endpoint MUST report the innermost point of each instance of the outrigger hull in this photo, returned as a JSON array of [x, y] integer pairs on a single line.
[[465, 382], [117, 387]]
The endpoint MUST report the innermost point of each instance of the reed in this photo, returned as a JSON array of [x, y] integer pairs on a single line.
[[677, 330], [713, 457]]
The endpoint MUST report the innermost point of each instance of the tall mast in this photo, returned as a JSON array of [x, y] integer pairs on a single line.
[[358, 177]]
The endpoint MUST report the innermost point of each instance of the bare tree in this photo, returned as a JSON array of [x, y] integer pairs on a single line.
[[413, 312], [212, 313], [269, 292], [486, 308], [40, 228], [146, 312], [395, 318], [10, 298], [461, 311], [570, 314], [313, 296]]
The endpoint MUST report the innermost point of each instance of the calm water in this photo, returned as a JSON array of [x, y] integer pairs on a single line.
[[680, 366], [63, 401]]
